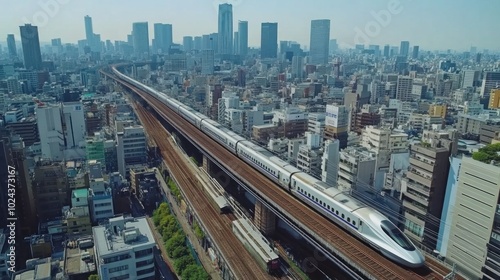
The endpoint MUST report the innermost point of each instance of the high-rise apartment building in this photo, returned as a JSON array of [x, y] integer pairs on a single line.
[[242, 38], [424, 187], [494, 99], [297, 67], [130, 147], [11, 45], [31, 47], [404, 49], [319, 40], [163, 37], [140, 37], [269, 40], [470, 78], [404, 88], [225, 29]]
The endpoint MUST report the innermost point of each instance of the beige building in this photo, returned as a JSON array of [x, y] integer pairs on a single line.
[[475, 226]]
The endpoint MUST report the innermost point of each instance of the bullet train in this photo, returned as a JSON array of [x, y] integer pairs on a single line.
[[355, 217]]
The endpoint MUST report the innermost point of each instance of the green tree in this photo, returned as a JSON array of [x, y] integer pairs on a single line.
[[179, 252], [197, 231], [178, 240], [181, 263], [194, 272], [94, 277], [167, 221]]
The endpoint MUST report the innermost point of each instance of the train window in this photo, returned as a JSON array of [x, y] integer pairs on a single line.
[[343, 216], [337, 212], [360, 223], [354, 223], [328, 206], [395, 234], [348, 219]]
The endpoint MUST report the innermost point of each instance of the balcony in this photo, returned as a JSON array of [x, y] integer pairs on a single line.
[[417, 197], [421, 164], [412, 206], [418, 178]]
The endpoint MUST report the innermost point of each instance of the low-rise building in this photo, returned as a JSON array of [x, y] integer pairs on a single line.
[[124, 249]]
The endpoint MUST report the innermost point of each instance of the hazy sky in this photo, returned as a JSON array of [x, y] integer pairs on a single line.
[[432, 24]]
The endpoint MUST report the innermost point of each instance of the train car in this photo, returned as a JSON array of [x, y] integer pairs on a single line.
[[255, 243], [360, 220], [214, 130], [258, 157]]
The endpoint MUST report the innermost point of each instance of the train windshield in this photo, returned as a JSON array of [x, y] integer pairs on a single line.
[[395, 234]]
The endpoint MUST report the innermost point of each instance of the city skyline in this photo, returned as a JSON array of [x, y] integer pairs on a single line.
[[375, 22]]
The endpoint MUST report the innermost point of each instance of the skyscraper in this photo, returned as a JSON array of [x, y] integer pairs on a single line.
[[415, 52], [243, 38], [163, 37], [269, 40], [187, 43], [89, 31], [11, 45], [404, 49], [31, 47], [225, 30], [387, 50], [140, 36], [320, 38]]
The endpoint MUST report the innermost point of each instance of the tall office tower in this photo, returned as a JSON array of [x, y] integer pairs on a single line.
[[11, 45], [56, 42], [140, 36], [474, 227], [319, 40], [415, 52], [225, 30], [297, 67], [470, 78], [205, 42], [387, 51], [243, 38], [214, 42], [207, 62], [269, 40], [236, 45], [31, 47], [197, 43], [404, 50], [330, 163], [404, 88], [89, 32], [163, 37], [187, 43], [333, 46], [491, 80]]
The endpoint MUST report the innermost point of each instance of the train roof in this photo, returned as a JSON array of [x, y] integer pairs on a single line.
[[255, 240], [344, 199]]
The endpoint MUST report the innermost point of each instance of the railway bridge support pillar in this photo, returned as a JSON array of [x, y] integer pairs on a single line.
[[207, 164], [264, 218]]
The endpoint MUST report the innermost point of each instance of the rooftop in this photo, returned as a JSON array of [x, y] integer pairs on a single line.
[[79, 260], [80, 193], [122, 234]]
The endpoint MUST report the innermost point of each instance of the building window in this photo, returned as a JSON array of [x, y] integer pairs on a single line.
[[122, 277], [118, 268], [145, 271], [142, 253]]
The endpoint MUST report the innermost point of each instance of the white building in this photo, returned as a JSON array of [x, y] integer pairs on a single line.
[[330, 163], [316, 123], [74, 120], [131, 146], [356, 165], [124, 249], [100, 196], [50, 131], [404, 88]]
